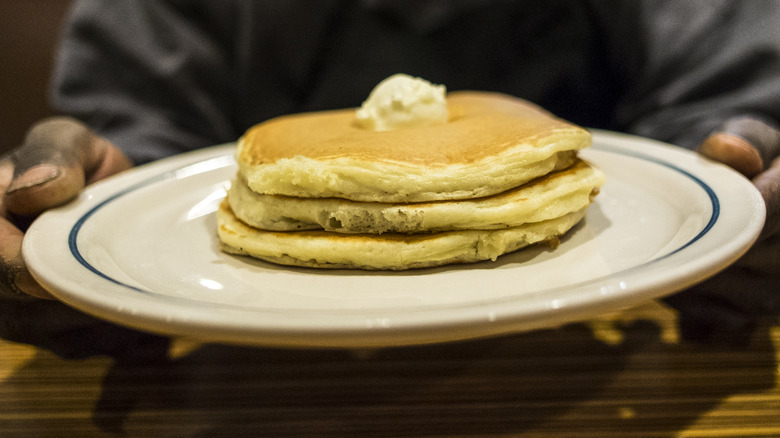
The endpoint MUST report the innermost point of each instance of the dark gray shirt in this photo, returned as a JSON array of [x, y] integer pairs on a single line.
[[162, 77]]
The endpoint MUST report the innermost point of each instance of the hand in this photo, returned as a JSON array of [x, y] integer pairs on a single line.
[[728, 306], [58, 158], [752, 147]]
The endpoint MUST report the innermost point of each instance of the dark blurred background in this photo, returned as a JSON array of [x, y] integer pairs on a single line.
[[29, 30]]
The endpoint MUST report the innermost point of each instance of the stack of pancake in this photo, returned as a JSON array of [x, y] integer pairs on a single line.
[[317, 190]]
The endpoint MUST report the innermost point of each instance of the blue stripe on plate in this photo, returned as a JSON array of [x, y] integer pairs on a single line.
[[210, 164], [707, 189], [226, 160]]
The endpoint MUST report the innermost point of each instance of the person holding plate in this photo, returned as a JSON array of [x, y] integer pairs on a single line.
[[141, 80]]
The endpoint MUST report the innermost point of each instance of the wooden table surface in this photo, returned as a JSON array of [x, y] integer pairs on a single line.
[[625, 374]]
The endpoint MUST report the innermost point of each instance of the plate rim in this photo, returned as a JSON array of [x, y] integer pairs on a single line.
[[395, 329]]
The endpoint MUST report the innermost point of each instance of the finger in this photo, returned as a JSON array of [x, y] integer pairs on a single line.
[[104, 160], [733, 151], [15, 280], [47, 169], [59, 156], [41, 187], [747, 144], [6, 175]]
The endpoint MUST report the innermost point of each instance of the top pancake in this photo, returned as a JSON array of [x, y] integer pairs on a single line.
[[492, 142]]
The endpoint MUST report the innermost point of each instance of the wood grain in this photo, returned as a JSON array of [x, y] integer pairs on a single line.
[[623, 374]]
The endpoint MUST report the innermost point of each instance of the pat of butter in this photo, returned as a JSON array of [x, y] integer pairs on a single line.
[[403, 101]]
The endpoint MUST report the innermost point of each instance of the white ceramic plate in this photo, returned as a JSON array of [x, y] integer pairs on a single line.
[[140, 249]]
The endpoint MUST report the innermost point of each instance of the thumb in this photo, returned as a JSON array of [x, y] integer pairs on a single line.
[[752, 146], [58, 157], [747, 144]]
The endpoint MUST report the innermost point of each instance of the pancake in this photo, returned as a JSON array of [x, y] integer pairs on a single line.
[[389, 251], [492, 175], [491, 143], [544, 198]]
